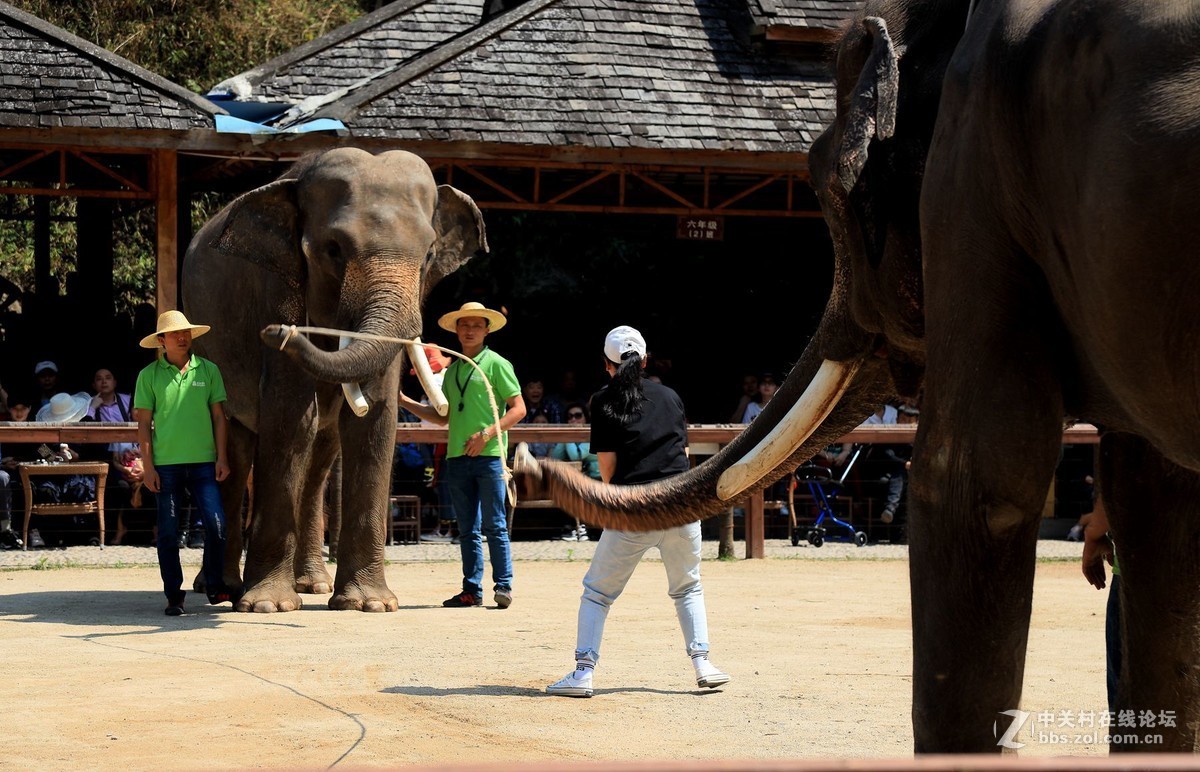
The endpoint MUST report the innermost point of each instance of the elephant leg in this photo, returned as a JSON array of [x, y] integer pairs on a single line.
[[1154, 513], [367, 447], [281, 461], [311, 575], [984, 458], [334, 510], [239, 450]]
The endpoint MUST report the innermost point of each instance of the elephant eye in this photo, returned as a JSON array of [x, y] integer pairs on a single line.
[[335, 251]]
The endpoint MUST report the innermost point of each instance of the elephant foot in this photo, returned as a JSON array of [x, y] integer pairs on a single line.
[[268, 599], [364, 598], [315, 582]]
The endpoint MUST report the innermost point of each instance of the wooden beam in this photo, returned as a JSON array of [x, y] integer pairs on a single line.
[[166, 192]]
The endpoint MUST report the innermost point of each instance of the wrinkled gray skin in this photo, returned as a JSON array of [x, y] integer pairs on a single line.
[[1013, 210], [346, 240]]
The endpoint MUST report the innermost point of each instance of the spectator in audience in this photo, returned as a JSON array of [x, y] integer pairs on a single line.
[[578, 453], [767, 386], [568, 390], [540, 449], [63, 489], [108, 405], [536, 403], [46, 375], [8, 469], [749, 395], [896, 474]]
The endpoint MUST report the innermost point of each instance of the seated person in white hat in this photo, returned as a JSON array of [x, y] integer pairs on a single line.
[[182, 431]]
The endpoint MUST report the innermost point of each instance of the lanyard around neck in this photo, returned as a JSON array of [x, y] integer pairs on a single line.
[[463, 386]]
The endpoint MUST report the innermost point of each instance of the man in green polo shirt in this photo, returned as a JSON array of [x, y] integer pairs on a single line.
[[182, 430], [474, 454]]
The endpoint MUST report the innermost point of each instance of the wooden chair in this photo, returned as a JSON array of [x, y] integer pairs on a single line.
[[30, 470]]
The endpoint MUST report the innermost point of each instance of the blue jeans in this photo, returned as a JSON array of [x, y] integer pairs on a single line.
[[1112, 640], [477, 493], [616, 556], [201, 480]]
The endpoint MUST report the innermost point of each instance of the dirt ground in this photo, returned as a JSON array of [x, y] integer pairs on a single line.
[[819, 652]]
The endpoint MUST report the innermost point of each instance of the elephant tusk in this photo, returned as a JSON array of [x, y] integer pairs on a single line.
[[425, 375], [796, 426], [352, 391]]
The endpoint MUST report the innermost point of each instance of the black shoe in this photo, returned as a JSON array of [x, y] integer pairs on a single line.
[[10, 541], [196, 540], [36, 541], [463, 600], [175, 605], [182, 540]]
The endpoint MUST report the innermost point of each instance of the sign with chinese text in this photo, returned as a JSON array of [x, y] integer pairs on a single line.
[[700, 228]]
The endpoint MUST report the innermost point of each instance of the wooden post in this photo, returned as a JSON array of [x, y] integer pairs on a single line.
[[166, 189], [755, 548]]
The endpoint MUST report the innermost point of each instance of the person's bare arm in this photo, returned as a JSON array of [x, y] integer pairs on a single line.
[[422, 411], [608, 465], [220, 433], [1097, 547], [516, 411], [149, 473]]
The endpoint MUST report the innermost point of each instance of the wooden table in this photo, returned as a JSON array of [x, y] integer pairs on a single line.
[[30, 470]]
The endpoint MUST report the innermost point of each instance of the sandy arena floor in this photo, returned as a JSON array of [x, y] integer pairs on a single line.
[[819, 651]]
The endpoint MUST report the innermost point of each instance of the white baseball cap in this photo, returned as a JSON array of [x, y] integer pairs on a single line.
[[622, 340], [46, 365]]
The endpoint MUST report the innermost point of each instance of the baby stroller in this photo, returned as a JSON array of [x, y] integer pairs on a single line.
[[824, 490]]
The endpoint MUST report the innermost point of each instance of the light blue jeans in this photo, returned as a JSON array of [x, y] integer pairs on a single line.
[[477, 493], [616, 556]]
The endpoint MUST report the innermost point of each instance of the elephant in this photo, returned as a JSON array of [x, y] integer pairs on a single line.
[[346, 240], [1009, 189]]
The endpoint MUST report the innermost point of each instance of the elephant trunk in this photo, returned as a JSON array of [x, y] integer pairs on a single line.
[[386, 315], [695, 494]]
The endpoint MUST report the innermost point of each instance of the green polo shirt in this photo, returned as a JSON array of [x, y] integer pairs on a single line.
[[182, 407], [463, 386]]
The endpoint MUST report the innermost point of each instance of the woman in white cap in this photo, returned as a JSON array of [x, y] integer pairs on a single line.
[[181, 429], [639, 434]]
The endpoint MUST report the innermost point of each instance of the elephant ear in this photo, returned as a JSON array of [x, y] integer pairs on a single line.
[[263, 227], [460, 234], [872, 112]]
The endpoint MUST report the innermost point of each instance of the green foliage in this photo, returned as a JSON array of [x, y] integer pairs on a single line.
[[197, 43]]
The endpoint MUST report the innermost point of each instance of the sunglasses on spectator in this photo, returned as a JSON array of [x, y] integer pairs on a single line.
[[574, 415]]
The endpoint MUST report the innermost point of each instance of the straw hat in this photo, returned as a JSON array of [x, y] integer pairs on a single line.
[[64, 407], [173, 321], [495, 319]]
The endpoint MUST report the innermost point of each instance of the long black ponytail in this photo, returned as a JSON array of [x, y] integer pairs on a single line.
[[626, 387]]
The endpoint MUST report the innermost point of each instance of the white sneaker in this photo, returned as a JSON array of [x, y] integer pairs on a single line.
[[707, 675], [577, 683]]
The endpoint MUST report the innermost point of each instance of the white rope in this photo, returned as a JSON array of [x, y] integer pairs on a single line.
[[293, 330]]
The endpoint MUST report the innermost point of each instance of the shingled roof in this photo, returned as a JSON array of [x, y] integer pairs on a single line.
[[672, 74], [51, 78], [821, 14], [368, 47]]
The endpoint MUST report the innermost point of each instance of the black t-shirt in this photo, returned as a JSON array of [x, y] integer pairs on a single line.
[[651, 446]]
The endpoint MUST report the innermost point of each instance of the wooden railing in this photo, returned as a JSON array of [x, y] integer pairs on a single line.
[[713, 434]]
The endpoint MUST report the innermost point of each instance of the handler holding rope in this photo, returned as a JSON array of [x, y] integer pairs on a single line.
[[475, 472]]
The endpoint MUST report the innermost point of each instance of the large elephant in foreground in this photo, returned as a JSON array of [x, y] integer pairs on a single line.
[[345, 240], [1013, 203]]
